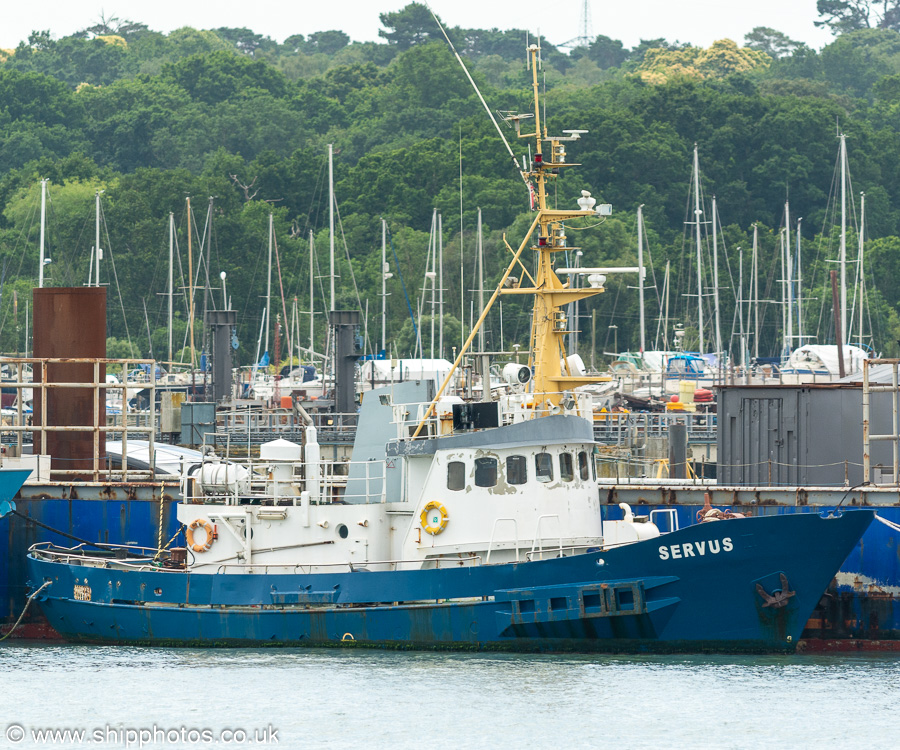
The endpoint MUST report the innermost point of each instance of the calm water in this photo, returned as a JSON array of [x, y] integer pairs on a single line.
[[374, 699]]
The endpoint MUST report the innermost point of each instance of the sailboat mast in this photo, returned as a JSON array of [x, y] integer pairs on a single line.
[[97, 240], [485, 374], [384, 268], [716, 278], [666, 319], [440, 239], [43, 229], [741, 309], [843, 255], [754, 297], [312, 298], [640, 229], [789, 286], [799, 287], [190, 288], [432, 257], [784, 311], [269, 284], [331, 216], [862, 278], [697, 214], [171, 278]]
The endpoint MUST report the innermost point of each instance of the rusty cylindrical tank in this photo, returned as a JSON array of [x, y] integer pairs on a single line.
[[70, 322]]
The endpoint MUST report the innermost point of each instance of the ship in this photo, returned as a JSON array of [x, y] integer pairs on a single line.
[[456, 524]]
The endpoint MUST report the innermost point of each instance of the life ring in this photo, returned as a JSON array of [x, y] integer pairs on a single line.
[[434, 523], [210, 535]]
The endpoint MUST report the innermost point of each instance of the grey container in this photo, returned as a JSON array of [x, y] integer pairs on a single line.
[[197, 420], [799, 435]]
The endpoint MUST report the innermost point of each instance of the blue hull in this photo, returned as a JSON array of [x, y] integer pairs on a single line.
[[861, 603], [652, 595], [110, 520]]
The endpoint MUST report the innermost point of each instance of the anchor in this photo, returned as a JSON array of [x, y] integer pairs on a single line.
[[780, 598]]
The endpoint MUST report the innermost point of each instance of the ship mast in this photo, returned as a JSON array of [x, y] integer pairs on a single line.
[[549, 324]]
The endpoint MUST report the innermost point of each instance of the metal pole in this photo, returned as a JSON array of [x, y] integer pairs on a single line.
[[43, 228], [191, 294], [716, 280], [843, 255], [862, 282], [789, 289], [331, 215], [269, 284], [640, 229], [485, 360], [433, 258], [785, 344], [440, 239], [755, 295], [799, 288], [97, 241], [896, 426], [171, 279], [837, 323], [383, 285], [865, 415], [312, 299], [697, 213]]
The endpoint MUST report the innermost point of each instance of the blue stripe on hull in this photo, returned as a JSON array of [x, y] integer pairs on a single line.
[[634, 599]]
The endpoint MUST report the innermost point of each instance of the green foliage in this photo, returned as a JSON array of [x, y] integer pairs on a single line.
[[152, 118], [774, 43], [408, 27], [851, 15]]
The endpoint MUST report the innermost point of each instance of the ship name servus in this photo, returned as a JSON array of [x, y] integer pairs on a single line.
[[695, 549]]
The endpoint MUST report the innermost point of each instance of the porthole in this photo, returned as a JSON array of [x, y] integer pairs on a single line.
[[342, 531]]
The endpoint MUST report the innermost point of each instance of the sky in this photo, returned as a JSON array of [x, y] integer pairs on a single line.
[[699, 22]]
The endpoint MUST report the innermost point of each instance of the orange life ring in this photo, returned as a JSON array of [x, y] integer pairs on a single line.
[[210, 535]]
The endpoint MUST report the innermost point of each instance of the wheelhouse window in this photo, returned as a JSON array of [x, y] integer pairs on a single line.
[[583, 470], [456, 475], [516, 469], [485, 472], [566, 467], [543, 467]]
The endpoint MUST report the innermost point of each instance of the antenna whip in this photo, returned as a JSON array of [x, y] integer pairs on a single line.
[[483, 102]]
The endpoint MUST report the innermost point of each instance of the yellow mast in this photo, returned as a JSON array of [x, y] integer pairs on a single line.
[[549, 325]]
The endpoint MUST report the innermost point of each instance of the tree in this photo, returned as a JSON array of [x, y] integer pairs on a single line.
[[852, 15], [410, 26], [115, 26], [606, 52], [774, 43], [327, 42], [244, 40]]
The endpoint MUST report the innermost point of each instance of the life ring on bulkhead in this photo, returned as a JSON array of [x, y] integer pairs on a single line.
[[210, 535], [434, 518]]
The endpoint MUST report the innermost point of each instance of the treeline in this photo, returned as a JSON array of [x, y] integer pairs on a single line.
[[240, 123]]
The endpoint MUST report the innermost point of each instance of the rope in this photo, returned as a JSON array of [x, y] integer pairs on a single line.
[[34, 521], [169, 543], [24, 610], [889, 524], [159, 547]]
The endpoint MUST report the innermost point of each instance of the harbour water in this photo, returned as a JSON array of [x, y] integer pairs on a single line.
[[324, 698]]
